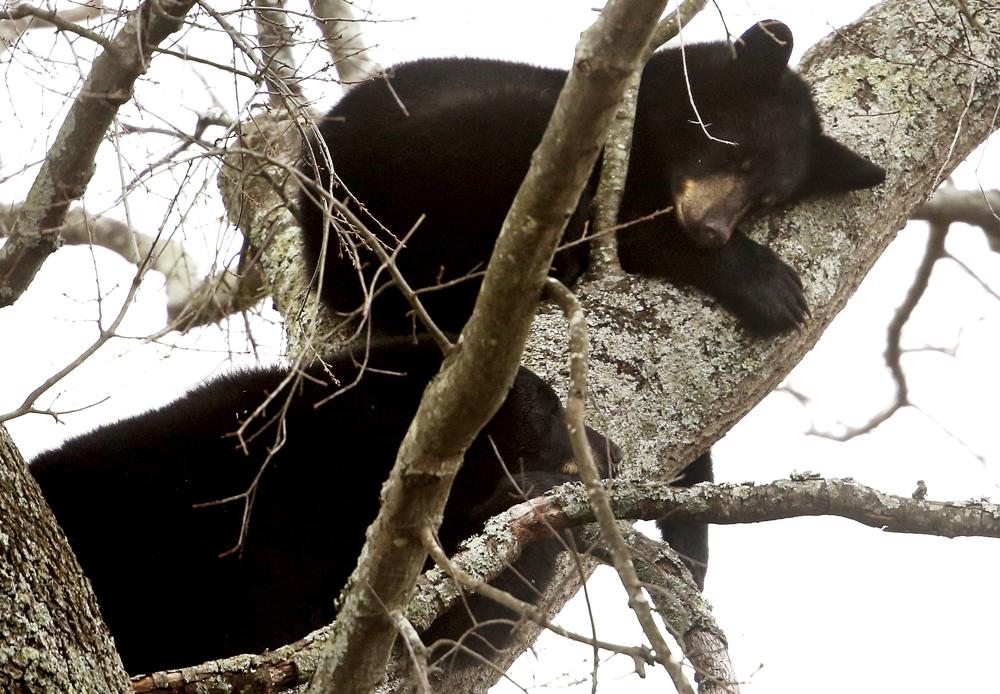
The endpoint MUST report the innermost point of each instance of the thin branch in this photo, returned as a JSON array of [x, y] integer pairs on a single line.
[[680, 604], [587, 469], [527, 609], [104, 334], [933, 252], [20, 18], [416, 649], [749, 502]]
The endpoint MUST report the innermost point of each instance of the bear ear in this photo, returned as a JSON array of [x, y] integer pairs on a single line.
[[836, 168], [763, 50]]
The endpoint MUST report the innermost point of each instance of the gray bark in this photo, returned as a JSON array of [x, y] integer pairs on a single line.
[[53, 636]]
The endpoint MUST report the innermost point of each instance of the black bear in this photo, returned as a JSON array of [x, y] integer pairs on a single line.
[[452, 139], [130, 497]]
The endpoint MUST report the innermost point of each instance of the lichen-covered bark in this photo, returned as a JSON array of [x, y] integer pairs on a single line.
[[53, 639], [670, 371]]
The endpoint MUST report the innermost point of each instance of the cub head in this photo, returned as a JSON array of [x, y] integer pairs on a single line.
[[752, 139], [530, 435]]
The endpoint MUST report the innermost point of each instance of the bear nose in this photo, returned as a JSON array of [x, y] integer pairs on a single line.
[[714, 233]]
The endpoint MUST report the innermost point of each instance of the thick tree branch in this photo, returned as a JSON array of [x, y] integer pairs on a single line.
[[344, 40], [69, 164]]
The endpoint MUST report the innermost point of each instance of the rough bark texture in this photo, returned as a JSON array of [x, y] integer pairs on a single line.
[[670, 371], [53, 639]]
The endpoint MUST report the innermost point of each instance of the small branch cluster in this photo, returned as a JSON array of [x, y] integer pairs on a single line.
[[946, 207]]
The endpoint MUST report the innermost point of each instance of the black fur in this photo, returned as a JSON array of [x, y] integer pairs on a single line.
[[463, 146], [125, 495], [689, 539]]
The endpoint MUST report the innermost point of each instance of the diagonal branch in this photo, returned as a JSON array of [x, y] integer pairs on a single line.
[[69, 164], [679, 602]]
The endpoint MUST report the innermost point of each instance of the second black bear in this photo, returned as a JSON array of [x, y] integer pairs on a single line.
[[452, 139], [127, 497]]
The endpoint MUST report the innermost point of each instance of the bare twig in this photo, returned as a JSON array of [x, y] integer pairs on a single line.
[[933, 252], [24, 17], [680, 604], [530, 611], [104, 334], [587, 469], [330, 203], [417, 650]]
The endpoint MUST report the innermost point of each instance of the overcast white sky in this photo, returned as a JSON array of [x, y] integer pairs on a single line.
[[817, 605]]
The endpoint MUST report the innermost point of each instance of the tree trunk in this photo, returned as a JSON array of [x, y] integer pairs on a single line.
[[53, 636]]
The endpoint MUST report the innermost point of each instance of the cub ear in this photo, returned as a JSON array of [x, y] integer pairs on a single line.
[[763, 50], [836, 168]]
